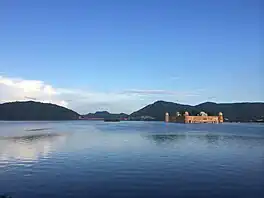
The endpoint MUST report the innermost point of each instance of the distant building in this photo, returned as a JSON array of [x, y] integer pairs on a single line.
[[178, 114], [146, 118], [167, 117], [202, 117]]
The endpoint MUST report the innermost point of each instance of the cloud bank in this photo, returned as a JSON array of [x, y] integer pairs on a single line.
[[83, 101]]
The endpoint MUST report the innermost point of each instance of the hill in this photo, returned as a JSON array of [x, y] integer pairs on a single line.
[[35, 111], [237, 112], [104, 115]]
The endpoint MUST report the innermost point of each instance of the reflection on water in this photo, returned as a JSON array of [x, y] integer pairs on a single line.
[[130, 159], [208, 138], [28, 148], [39, 129], [165, 139]]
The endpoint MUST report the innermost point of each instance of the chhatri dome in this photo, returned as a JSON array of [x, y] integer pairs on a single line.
[[202, 113]]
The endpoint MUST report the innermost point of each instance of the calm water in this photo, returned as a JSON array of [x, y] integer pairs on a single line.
[[131, 159]]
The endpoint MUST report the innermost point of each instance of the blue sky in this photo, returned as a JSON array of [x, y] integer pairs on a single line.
[[135, 52]]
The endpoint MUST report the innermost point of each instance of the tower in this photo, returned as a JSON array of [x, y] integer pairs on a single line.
[[186, 117], [167, 117], [220, 117]]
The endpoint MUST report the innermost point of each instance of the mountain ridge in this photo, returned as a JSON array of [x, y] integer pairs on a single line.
[[238, 112], [105, 115], [234, 112]]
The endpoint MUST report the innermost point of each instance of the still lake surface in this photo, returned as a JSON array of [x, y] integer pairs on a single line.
[[131, 159]]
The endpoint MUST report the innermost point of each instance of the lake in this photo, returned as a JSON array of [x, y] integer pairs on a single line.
[[131, 159]]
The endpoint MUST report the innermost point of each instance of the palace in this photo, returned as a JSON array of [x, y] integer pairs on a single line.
[[200, 118]]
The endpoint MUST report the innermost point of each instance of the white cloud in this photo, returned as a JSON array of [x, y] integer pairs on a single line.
[[16, 89], [160, 92], [83, 101]]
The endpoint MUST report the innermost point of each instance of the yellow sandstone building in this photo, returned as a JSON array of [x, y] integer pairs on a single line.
[[201, 118]]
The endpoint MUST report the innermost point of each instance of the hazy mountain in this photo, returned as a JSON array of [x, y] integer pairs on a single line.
[[35, 111], [242, 112], [105, 115]]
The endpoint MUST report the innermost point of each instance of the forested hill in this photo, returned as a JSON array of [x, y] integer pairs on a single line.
[[105, 115], [35, 111], [237, 112]]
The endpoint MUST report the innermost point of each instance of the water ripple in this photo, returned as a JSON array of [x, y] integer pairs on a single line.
[[132, 160]]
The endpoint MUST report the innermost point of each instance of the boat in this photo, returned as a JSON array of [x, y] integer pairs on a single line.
[[111, 120]]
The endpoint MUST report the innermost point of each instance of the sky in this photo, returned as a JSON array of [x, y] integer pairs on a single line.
[[119, 56]]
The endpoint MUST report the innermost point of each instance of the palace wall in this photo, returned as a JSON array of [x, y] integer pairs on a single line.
[[186, 118]]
